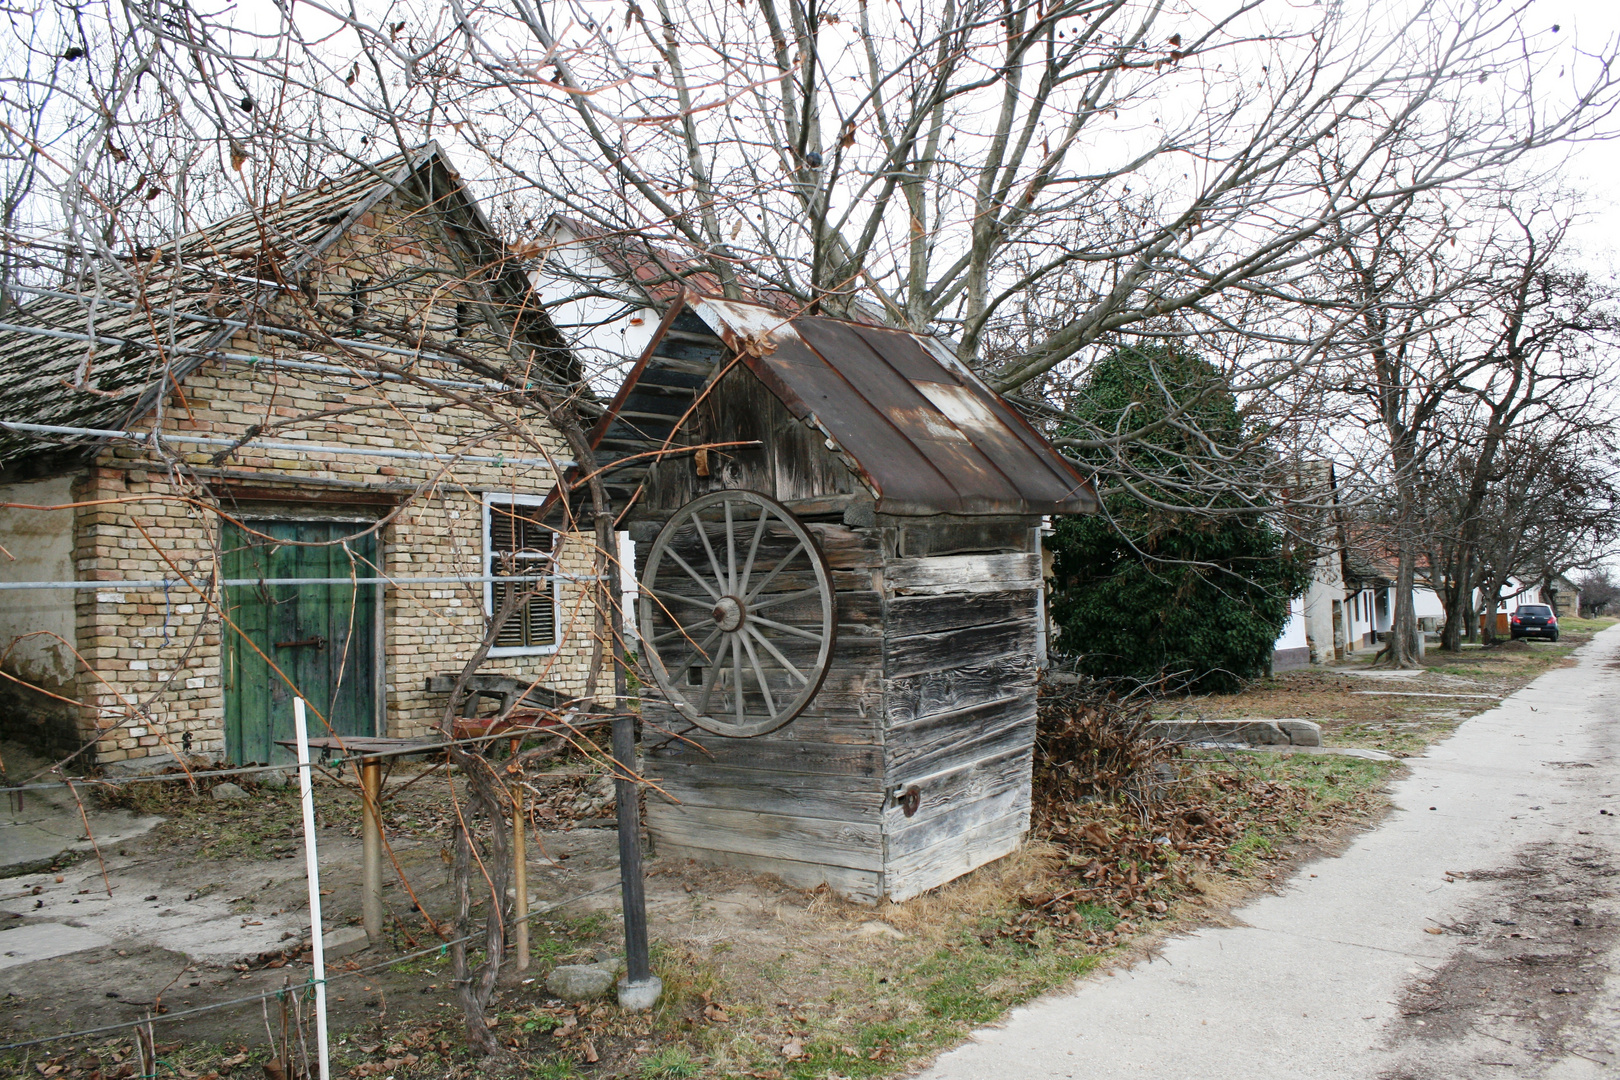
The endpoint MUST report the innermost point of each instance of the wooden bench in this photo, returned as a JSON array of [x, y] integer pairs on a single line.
[[523, 706]]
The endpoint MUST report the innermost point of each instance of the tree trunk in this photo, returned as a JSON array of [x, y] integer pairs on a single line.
[[1400, 651], [1490, 598], [486, 798], [1459, 602]]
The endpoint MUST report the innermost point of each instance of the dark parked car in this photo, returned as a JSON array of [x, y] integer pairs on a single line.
[[1534, 620]]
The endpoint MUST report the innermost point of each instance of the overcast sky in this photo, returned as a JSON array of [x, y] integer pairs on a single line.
[[1594, 168]]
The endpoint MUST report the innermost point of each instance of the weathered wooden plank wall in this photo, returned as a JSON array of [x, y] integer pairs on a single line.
[[804, 802], [788, 463], [959, 701]]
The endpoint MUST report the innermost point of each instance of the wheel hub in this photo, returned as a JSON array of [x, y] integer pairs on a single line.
[[729, 614]]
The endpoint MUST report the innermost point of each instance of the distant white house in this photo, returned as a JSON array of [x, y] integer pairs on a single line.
[[1349, 604]]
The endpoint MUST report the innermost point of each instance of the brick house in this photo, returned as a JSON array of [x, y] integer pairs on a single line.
[[321, 400]]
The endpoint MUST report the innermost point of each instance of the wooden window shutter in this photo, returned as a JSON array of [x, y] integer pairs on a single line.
[[519, 545]]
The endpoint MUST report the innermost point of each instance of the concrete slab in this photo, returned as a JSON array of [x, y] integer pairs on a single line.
[[41, 941], [215, 927], [1327, 751], [39, 828], [344, 941], [1379, 673]]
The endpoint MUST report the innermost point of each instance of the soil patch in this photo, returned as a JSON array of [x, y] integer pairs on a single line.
[[762, 980], [1527, 975]]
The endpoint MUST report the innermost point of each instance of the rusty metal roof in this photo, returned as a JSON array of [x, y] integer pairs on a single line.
[[925, 434]]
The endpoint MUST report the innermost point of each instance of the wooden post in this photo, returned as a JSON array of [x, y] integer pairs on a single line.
[[520, 872], [371, 905]]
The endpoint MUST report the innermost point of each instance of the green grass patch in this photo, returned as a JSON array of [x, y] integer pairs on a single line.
[[670, 1063], [552, 1067], [1585, 626], [963, 984]]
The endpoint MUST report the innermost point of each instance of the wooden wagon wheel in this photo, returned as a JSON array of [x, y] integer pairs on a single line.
[[737, 616]]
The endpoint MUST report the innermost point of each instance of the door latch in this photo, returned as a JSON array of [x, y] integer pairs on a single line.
[[318, 642]]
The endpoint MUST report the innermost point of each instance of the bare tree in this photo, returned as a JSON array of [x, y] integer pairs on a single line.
[[1556, 504], [1598, 593]]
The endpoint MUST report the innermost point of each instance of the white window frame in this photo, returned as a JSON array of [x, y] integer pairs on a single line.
[[486, 499]]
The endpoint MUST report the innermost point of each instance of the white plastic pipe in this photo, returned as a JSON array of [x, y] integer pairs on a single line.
[[312, 870]]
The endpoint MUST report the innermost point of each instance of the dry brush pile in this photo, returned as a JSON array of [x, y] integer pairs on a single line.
[[1135, 820]]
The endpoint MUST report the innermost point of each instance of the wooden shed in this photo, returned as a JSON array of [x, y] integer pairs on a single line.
[[837, 531]]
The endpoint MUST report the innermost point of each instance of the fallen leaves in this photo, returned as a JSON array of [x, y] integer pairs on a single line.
[[1130, 823], [387, 1065], [713, 1011]]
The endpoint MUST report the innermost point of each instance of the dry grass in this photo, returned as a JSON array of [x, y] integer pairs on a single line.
[[1033, 868], [1357, 705]]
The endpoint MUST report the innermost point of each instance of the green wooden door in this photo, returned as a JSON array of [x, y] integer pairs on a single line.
[[322, 637]]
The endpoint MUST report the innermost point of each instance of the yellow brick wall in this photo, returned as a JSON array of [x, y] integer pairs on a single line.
[[151, 661]]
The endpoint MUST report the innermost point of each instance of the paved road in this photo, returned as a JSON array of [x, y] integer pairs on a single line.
[[1475, 933]]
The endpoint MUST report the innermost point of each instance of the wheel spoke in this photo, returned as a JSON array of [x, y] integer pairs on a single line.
[[680, 631], [665, 594], [709, 679], [731, 552], [694, 651], [737, 674], [691, 573], [708, 549], [786, 629], [780, 659], [753, 549], [764, 687], [784, 598], [770, 577]]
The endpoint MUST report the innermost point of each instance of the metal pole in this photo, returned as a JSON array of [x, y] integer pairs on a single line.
[[520, 873], [312, 871], [371, 905], [232, 583], [632, 887], [640, 989]]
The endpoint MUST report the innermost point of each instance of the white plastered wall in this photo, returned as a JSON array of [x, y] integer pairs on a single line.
[[1327, 585], [40, 543], [606, 334]]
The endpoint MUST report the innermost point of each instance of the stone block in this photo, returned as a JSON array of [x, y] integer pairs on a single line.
[[1252, 732], [580, 982], [1302, 732], [344, 941]]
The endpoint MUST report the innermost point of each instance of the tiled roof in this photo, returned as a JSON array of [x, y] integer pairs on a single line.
[[100, 354]]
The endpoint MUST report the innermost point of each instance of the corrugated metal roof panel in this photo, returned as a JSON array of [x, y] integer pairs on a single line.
[[926, 434]]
